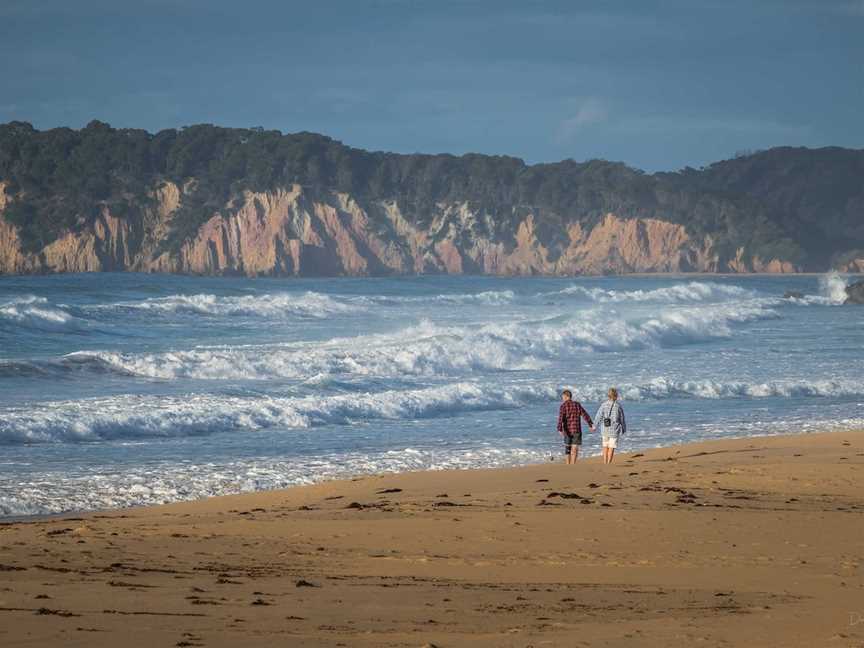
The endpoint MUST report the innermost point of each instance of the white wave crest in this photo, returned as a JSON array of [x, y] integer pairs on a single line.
[[662, 388], [36, 312], [833, 287], [309, 304], [142, 416], [488, 297], [693, 291], [429, 350], [139, 416]]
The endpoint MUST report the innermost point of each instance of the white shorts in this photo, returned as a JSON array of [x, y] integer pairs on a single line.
[[610, 442]]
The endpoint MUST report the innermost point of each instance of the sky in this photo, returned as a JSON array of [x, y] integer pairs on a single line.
[[658, 85]]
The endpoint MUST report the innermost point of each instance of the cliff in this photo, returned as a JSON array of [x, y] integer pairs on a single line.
[[211, 203], [298, 232]]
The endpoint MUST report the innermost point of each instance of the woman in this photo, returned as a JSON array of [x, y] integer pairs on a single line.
[[610, 418]]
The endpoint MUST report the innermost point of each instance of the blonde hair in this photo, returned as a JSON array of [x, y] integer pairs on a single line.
[[612, 393]]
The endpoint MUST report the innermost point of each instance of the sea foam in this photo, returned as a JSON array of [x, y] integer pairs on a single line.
[[166, 482], [486, 298], [308, 304], [34, 312], [833, 287], [142, 416], [430, 349], [693, 291], [128, 417]]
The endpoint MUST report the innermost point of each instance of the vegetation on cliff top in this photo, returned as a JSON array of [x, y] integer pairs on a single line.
[[795, 204]]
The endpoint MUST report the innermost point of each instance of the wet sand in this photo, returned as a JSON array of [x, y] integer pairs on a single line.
[[749, 542]]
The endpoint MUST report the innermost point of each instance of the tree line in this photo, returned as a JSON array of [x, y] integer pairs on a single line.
[[796, 204]]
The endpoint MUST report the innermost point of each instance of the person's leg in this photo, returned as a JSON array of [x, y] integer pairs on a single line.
[[577, 443], [567, 450], [611, 454]]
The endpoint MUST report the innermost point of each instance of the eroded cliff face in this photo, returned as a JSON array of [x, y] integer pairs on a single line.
[[11, 261], [294, 232]]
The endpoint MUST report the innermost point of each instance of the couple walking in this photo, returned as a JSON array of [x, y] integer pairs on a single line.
[[610, 416]]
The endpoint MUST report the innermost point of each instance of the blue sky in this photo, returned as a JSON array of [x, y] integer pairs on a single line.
[[658, 85]]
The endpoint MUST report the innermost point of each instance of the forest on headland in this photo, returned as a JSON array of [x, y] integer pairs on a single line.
[[801, 208]]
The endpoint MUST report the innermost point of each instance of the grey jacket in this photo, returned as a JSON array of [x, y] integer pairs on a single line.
[[613, 410]]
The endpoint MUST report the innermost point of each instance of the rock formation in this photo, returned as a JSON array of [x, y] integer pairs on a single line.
[[298, 232], [855, 293]]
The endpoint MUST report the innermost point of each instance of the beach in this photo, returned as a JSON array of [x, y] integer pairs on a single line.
[[736, 542]]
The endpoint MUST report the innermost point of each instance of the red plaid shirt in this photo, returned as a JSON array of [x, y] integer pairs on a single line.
[[568, 418]]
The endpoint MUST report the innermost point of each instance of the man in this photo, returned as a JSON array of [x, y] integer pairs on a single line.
[[570, 425]]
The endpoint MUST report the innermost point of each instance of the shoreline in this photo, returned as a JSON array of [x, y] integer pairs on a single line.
[[643, 275], [40, 517], [748, 541]]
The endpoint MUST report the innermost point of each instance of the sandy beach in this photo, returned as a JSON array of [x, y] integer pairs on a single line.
[[747, 542]]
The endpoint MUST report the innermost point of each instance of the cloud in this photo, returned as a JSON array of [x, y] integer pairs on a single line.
[[591, 111]]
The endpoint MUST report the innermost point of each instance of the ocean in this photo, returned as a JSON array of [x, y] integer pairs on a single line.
[[125, 389]]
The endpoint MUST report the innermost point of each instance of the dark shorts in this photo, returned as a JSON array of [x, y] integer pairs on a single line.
[[570, 441]]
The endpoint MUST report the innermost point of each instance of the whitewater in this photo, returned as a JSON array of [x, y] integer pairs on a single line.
[[123, 389]]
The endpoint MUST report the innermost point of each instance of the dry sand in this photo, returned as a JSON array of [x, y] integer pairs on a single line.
[[750, 542]]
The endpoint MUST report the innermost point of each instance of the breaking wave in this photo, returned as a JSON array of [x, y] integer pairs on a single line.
[[37, 313], [693, 291], [139, 416], [309, 304], [661, 388], [58, 368], [126, 417], [428, 349], [487, 297]]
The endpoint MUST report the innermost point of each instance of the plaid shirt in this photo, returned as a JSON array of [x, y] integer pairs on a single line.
[[568, 418]]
